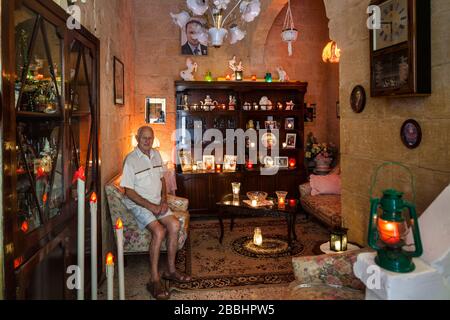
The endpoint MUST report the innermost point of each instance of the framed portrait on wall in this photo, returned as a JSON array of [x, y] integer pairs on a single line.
[[194, 38], [155, 110], [119, 82]]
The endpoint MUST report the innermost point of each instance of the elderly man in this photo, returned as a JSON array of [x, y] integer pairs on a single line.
[[146, 198]]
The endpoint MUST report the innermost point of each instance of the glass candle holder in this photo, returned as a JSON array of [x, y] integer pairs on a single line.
[[254, 203], [281, 199], [292, 163], [218, 168], [239, 75], [268, 77], [257, 237], [236, 187]]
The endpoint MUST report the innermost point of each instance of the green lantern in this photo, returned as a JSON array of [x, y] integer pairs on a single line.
[[388, 229]]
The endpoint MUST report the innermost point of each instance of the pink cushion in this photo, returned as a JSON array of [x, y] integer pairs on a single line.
[[330, 184]]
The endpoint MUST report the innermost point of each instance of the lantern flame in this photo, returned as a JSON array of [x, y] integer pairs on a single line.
[[331, 53], [119, 224], [93, 197], [389, 231], [109, 259]]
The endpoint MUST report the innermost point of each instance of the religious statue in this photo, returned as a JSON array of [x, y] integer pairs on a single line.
[[188, 74]]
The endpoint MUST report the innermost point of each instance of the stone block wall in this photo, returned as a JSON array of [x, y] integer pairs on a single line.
[[373, 137]]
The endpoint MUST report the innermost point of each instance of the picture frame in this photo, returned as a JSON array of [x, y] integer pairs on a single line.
[[155, 110], [209, 163], [291, 140], [358, 99], [270, 125], [338, 110], [282, 162], [289, 124], [268, 162], [119, 82], [185, 160], [230, 163], [411, 134], [191, 42]]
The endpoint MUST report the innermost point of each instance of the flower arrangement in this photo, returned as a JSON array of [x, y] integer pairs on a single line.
[[315, 150]]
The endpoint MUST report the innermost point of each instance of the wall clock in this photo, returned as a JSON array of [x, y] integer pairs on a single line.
[[400, 51]]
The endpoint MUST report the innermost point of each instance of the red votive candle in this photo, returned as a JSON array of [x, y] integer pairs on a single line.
[[292, 202], [292, 163]]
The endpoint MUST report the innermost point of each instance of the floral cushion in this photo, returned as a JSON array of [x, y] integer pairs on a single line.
[[301, 291], [136, 240], [333, 270]]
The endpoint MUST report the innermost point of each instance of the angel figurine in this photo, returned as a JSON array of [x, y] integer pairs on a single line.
[[188, 74], [236, 68]]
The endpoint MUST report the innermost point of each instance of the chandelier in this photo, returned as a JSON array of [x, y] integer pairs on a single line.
[[223, 18]]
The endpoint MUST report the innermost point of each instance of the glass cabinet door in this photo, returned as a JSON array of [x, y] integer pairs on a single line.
[[39, 120]]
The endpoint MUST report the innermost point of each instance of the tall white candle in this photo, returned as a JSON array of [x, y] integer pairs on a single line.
[[119, 234], [80, 178], [93, 203], [110, 276]]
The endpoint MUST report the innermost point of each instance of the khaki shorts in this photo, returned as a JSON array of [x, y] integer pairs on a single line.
[[142, 215]]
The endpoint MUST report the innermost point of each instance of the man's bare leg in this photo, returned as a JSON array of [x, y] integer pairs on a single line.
[[158, 233], [173, 227]]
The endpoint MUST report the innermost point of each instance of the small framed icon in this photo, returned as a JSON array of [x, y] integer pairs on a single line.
[[358, 99], [289, 124], [291, 140], [411, 134], [282, 162]]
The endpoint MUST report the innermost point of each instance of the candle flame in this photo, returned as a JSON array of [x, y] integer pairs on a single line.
[[24, 227], [109, 259], [44, 198], [119, 224], [93, 197], [79, 175]]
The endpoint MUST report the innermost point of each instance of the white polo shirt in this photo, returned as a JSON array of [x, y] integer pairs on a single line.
[[143, 174]]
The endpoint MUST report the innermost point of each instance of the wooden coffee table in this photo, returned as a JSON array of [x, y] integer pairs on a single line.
[[235, 209]]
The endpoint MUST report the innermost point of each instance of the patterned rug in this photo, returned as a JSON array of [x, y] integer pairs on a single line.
[[213, 265]]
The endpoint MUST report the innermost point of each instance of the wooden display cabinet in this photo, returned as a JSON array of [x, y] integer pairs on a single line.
[[205, 188]]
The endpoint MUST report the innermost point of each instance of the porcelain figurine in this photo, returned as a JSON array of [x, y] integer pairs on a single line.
[[232, 103], [290, 105], [247, 106], [188, 74], [283, 77], [208, 104]]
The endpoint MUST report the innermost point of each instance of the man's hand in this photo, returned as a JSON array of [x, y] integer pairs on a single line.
[[164, 206]]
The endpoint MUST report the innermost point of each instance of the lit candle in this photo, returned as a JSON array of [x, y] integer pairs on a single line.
[[194, 167], [281, 203], [292, 202], [249, 165], [284, 145], [110, 276], [254, 203], [253, 77], [93, 205], [281, 199], [236, 188], [80, 179], [218, 168], [257, 237], [292, 163], [337, 245], [228, 77], [119, 233]]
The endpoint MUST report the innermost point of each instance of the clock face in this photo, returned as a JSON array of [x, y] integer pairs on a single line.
[[394, 24]]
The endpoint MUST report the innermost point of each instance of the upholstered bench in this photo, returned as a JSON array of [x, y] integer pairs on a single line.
[[136, 240], [325, 207]]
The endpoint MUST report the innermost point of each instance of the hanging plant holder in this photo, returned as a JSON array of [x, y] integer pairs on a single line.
[[289, 33]]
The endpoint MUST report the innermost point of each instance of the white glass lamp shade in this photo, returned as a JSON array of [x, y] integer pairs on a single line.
[[250, 10], [181, 18], [236, 35], [198, 7], [217, 36]]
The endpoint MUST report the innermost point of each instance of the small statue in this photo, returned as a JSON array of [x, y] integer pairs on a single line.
[[188, 74], [266, 102], [250, 125], [236, 68], [290, 106], [282, 75], [232, 103], [247, 106]]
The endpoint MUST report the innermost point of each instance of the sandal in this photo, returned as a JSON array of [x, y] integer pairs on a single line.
[[177, 277], [157, 291]]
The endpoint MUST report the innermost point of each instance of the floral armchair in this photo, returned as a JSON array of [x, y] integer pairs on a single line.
[[136, 240], [327, 277]]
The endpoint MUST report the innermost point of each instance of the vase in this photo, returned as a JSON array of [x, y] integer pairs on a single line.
[[323, 166]]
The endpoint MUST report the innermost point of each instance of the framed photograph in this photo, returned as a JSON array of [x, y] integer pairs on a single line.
[[229, 163], [282, 162], [338, 110], [411, 134], [291, 140], [268, 162], [155, 110], [194, 37], [271, 125], [119, 82], [358, 99], [185, 158], [289, 124], [208, 163]]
